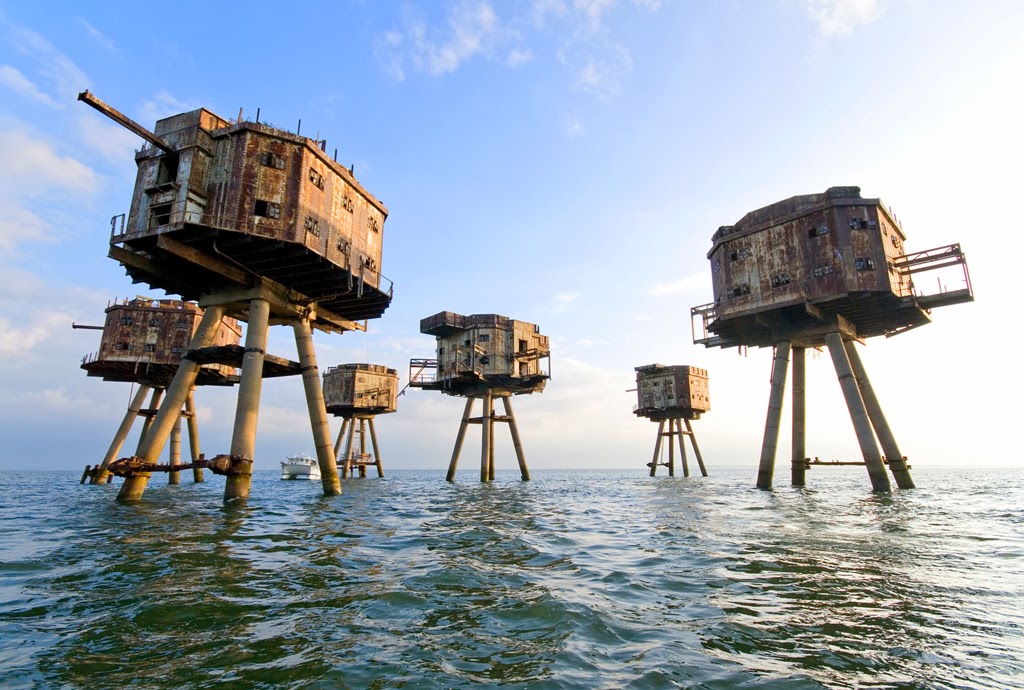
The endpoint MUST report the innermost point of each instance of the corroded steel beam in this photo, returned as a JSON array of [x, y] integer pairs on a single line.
[[125, 121]]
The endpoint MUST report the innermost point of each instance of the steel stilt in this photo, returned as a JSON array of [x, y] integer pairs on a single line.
[[247, 409], [780, 364], [858, 414]]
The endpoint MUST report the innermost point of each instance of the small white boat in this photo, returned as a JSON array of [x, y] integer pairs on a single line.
[[300, 466]]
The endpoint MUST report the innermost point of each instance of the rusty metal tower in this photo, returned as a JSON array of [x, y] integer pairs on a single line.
[[259, 224], [483, 356], [358, 393], [143, 342], [672, 396], [827, 269]]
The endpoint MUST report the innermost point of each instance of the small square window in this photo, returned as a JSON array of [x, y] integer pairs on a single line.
[[272, 160], [316, 178], [267, 209]]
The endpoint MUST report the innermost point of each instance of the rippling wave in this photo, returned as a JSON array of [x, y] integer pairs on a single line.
[[572, 580]]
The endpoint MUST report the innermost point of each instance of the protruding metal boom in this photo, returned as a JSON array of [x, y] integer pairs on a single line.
[[125, 121]]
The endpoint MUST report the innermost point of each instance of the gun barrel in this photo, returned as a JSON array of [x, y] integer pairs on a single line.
[[125, 121]]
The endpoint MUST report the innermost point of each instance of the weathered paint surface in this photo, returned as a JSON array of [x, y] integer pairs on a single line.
[[487, 351], [360, 388], [665, 392], [802, 263], [816, 247], [311, 226], [144, 340]]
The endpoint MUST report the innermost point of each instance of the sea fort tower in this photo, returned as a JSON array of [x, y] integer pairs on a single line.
[[259, 224], [672, 396], [358, 393], [824, 270], [143, 342], [483, 357]]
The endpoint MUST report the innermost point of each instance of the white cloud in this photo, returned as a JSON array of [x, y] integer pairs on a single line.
[[112, 141], [580, 397], [836, 17], [162, 105], [561, 302], [33, 171], [32, 167], [697, 281], [387, 50], [54, 66], [573, 126], [543, 9], [593, 11], [19, 83], [58, 400], [98, 36], [597, 65], [603, 75], [517, 57], [18, 342], [471, 27], [277, 420], [16, 285], [19, 225]]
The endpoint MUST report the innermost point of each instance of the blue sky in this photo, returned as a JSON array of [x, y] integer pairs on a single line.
[[559, 162]]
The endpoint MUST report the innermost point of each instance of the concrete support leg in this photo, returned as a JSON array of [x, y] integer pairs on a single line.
[[147, 423], [376, 449], [459, 439], [102, 476], [318, 421], [696, 449], [780, 365], [174, 477], [798, 471], [490, 454], [178, 392], [338, 444], [657, 448], [193, 436], [362, 447], [682, 448], [671, 448], [485, 440], [517, 442], [247, 408], [140, 448], [897, 463], [858, 414], [346, 464]]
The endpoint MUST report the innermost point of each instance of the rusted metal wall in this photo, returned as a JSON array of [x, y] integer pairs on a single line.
[[794, 251], [171, 188], [486, 345], [256, 179], [662, 389], [156, 332], [350, 388]]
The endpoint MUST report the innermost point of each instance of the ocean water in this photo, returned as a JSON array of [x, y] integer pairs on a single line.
[[576, 579]]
